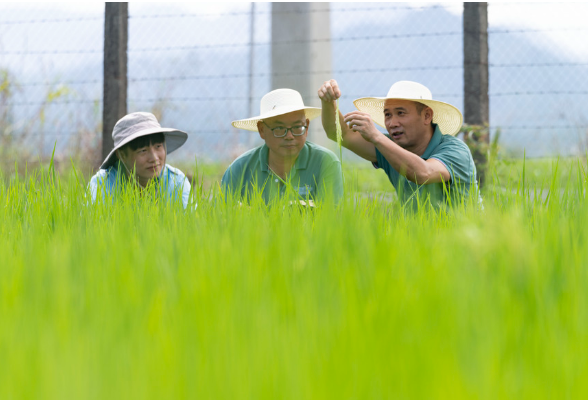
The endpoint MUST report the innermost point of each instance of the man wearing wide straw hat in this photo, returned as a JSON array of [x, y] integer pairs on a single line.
[[140, 149], [287, 165], [420, 154]]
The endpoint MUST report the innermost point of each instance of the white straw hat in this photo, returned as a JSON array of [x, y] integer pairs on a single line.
[[445, 115], [138, 124], [278, 102]]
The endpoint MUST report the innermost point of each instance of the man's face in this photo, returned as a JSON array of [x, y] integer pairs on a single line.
[[288, 146], [407, 128], [148, 161]]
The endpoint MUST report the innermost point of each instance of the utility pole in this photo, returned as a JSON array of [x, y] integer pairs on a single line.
[[475, 83], [301, 53], [114, 107]]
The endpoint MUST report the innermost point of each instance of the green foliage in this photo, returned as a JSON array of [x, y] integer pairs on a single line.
[[477, 137], [8, 86], [24, 138], [54, 93], [139, 299]]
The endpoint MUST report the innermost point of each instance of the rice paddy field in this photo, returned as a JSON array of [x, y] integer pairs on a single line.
[[369, 300]]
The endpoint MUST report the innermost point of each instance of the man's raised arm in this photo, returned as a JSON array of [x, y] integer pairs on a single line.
[[407, 163], [329, 93]]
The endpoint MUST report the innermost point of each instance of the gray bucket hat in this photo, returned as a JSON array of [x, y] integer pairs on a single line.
[[138, 124]]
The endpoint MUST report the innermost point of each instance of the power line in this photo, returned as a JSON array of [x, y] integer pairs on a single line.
[[267, 74], [244, 98], [334, 72], [64, 83], [312, 11], [243, 13], [241, 98], [501, 31], [49, 134], [227, 14], [51, 103], [537, 127], [49, 52], [248, 13], [97, 132], [526, 65], [540, 93], [289, 42], [233, 45], [52, 20], [246, 75], [232, 98]]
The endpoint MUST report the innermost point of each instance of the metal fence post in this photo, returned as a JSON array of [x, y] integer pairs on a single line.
[[114, 100], [301, 53], [475, 82]]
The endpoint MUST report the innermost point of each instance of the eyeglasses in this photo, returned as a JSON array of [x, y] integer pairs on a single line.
[[281, 131]]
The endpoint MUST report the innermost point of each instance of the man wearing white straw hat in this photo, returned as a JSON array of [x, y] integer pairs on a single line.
[[140, 150], [420, 154], [287, 165]]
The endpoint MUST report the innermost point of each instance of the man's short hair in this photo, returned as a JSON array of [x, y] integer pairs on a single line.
[[420, 107], [144, 141]]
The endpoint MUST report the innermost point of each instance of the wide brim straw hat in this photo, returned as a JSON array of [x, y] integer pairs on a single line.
[[446, 116], [138, 124], [278, 102]]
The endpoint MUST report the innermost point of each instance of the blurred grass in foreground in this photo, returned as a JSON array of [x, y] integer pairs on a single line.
[[135, 300]]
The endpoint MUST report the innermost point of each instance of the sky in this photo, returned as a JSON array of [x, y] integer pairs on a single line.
[[512, 15], [568, 15]]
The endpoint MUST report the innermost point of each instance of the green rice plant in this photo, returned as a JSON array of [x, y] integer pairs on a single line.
[[135, 297], [339, 132]]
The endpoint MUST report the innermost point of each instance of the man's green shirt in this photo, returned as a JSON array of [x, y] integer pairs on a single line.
[[315, 175], [456, 157]]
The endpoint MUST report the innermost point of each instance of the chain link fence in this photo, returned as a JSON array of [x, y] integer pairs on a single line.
[[51, 79], [198, 67], [539, 76]]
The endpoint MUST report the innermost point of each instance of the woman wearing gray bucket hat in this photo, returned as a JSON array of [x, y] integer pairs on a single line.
[[419, 153], [140, 150]]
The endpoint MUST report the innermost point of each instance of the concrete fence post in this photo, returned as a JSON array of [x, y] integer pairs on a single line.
[[114, 100], [301, 53]]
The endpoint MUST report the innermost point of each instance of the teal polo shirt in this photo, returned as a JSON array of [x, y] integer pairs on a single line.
[[316, 175], [456, 157]]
